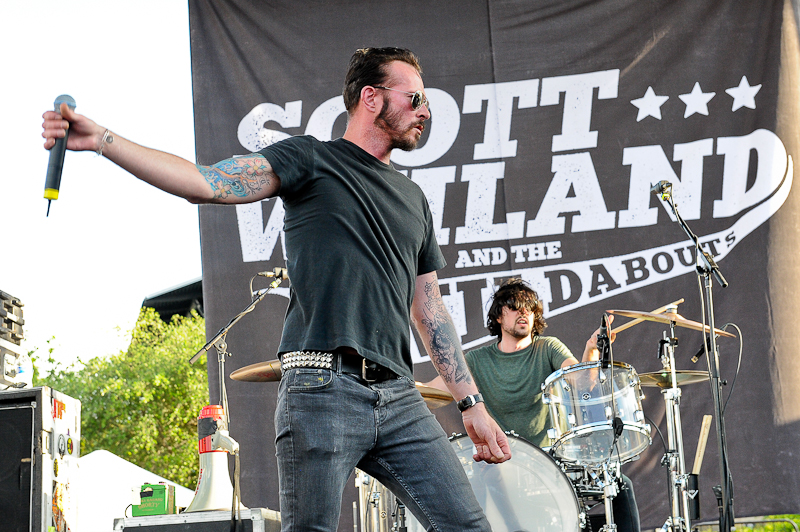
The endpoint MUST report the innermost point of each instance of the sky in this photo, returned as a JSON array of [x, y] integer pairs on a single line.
[[110, 240]]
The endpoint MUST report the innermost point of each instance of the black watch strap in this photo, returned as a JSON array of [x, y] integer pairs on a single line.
[[469, 401]]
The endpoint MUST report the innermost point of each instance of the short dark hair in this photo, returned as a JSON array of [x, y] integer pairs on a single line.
[[368, 68], [515, 294]]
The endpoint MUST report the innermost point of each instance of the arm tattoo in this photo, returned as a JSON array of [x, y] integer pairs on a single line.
[[242, 176], [444, 344]]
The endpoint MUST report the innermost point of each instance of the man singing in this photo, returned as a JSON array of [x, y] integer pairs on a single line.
[[362, 257]]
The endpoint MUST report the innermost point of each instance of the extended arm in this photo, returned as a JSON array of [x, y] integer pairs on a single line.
[[237, 180], [438, 333]]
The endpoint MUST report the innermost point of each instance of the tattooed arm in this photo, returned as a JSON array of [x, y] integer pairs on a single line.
[[438, 333], [240, 180]]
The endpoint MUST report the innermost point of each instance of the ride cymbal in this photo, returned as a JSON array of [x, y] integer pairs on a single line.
[[663, 379]]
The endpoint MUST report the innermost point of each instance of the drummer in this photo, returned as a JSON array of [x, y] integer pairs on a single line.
[[510, 374]]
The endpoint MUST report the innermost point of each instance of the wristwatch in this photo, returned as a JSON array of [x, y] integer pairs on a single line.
[[469, 401]]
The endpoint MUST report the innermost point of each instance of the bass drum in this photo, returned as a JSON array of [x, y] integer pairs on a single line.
[[528, 492]]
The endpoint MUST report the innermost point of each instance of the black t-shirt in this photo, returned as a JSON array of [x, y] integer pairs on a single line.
[[357, 235]]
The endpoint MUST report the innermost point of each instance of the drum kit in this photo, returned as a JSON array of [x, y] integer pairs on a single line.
[[597, 426]]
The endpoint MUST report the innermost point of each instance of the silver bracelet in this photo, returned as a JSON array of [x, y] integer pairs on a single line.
[[107, 137]]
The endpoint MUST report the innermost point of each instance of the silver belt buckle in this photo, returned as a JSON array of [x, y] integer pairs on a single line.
[[364, 371]]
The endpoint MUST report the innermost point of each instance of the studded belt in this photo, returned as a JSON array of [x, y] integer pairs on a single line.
[[347, 362]]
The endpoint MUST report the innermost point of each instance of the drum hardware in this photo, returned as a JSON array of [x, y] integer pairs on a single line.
[[680, 518], [381, 511]]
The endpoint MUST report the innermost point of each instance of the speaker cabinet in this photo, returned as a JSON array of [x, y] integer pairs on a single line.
[[40, 429]]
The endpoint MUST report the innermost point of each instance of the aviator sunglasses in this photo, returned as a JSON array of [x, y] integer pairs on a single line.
[[418, 98]]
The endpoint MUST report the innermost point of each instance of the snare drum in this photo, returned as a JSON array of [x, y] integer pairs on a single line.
[[527, 492], [583, 400]]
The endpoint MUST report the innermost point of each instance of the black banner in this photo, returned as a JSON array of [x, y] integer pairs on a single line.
[[550, 122]]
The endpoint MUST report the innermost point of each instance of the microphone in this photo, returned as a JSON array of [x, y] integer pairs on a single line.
[[56, 163], [602, 341], [703, 347], [662, 188], [280, 273]]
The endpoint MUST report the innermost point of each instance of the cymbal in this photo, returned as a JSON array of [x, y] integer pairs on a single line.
[[433, 397], [270, 371], [663, 379], [670, 317]]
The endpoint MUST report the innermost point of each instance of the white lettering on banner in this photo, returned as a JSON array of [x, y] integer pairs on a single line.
[[254, 136], [574, 192], [565, 287], [321, 121], [483, 257], [649, 165], [500, 104], [537, 251], [257, 240], [771, 152], [573, 172], [433, 182], [478, 222], [444, 125], [578, 92]]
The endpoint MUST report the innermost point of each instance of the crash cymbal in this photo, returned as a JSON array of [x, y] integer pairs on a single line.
[[669, 317], [663, 379], [269, 371], [433, 397]]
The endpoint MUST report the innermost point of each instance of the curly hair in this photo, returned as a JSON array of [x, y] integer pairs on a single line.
[[515, 294], [368, 68]]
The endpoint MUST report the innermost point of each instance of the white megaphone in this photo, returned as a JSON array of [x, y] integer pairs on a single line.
[[214, 489]]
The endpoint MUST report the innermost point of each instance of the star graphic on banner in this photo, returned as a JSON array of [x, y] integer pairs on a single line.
[[744, 95], [649, 105], [696, 101]]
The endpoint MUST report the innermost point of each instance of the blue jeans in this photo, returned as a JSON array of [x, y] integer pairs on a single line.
[[327, 423]]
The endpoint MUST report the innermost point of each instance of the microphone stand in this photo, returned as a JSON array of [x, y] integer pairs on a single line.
[[706, 267], [219, 343]]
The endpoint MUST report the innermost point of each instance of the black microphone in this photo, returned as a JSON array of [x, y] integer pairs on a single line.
[[56, 163], [703, 347], [662, 188], [602, 341], [280, 273]]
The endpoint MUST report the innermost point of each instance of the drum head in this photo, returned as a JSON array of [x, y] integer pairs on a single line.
[[528, 492]]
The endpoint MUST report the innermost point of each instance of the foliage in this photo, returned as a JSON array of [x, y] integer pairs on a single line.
[[142, 404], [757, 524]]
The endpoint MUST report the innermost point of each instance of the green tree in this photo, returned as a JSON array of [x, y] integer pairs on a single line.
[[142, 404]]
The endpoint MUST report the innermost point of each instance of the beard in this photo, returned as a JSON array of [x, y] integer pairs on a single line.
[[518, 331], [391, 123]]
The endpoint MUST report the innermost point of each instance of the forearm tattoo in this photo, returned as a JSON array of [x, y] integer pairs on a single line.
[[444, 343], [242, 176]]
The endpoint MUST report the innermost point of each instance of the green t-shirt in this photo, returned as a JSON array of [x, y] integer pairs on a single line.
[[357, 235], [511, 384]]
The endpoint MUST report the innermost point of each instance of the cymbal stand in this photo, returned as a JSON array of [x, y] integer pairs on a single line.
[[706, 267], [679, 503]]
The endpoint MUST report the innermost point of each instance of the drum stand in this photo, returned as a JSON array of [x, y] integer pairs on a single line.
[[609, 492], [679, 519]]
